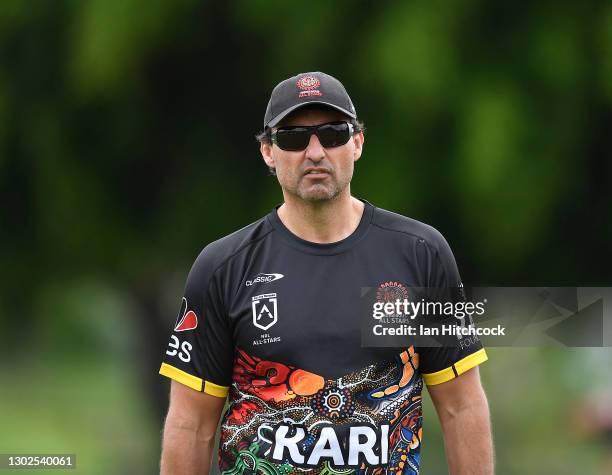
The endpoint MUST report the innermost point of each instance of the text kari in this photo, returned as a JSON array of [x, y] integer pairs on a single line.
[[364, 444]]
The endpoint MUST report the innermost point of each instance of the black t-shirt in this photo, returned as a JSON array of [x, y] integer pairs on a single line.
[[274, 321]]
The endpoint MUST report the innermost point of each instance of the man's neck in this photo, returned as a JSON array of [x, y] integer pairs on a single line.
[[323, 221]]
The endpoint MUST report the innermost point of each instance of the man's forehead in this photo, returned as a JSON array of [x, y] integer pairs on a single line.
[[312, 115]]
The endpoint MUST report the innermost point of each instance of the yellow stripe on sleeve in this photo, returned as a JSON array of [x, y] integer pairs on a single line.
[[456, 369], [180, 376], [215, 390], [192, 381]]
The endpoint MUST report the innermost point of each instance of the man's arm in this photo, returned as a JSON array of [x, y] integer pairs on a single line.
[[189, 432], [463, 410]]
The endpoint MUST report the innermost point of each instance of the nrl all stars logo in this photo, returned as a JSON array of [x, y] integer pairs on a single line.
[[309, 86]]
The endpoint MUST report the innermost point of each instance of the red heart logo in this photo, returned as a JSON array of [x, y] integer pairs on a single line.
[[188, 322]]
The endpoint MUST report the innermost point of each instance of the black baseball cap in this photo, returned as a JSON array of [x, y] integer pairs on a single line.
[[305, 89]]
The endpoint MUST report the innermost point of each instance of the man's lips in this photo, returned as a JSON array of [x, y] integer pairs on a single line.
[[317, 172]]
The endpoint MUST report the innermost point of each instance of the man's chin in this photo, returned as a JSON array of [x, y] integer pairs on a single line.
[[318, 193]]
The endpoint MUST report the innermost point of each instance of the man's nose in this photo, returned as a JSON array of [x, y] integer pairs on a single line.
[[315, 151]]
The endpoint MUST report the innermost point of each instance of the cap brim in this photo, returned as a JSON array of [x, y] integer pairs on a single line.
[[288, 111]]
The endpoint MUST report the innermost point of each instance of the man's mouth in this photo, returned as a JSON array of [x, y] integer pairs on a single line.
[[315, 172]]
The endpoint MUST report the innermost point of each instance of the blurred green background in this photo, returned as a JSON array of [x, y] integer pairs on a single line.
[[127, 144]]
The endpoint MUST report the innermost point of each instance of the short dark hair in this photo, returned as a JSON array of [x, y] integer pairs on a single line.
[[264, 136]]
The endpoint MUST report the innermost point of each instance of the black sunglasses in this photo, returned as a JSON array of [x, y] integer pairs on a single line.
[[294, 139]]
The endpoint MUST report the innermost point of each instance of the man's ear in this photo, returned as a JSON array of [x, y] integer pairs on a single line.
[[358, 140], [266, 153]]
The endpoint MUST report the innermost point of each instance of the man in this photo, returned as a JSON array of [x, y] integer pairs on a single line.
[[271, 312]]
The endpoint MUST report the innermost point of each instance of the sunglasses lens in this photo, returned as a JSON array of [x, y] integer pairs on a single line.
[[334, 135], [292, 139], [297, 138]]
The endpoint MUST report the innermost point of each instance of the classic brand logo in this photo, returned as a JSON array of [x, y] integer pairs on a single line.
[[264, 310], [264, 279]]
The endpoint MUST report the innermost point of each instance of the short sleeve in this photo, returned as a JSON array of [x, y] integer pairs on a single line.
[[443, 363], [200, 351]]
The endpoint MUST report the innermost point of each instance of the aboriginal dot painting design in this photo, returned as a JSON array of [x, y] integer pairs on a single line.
[[284, 420]]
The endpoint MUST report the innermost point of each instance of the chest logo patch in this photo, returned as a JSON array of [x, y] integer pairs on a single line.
[[265, 313]]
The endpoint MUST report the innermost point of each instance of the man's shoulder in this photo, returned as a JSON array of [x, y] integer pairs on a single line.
[[218, 252], [397, 223]]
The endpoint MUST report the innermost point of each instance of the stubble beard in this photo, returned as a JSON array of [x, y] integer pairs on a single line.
[[318, 192]]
